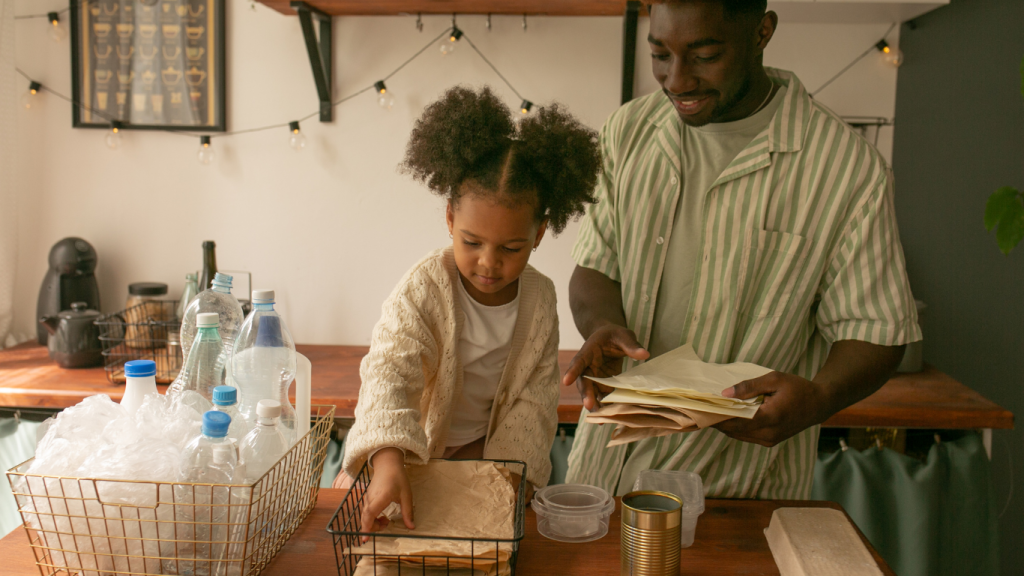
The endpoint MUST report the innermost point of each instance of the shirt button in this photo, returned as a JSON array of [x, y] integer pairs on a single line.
[[675, 180], [645, 297], [661, 240]]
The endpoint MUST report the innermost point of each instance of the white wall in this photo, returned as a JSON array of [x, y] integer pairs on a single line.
[[331, 228]]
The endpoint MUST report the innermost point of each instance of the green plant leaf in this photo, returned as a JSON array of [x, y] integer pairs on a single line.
[[998, 203], [1011, 227]]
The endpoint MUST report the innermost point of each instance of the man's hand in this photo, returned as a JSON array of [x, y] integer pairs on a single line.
[[601, 356], [389, 484], [791, 404]]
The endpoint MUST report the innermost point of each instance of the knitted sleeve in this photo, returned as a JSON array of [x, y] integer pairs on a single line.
[[402, 349], [527, 430]]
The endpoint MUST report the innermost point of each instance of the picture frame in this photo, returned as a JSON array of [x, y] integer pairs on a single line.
[[148, 64]]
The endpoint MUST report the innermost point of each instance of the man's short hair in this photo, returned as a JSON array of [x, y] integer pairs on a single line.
[[733, 9]]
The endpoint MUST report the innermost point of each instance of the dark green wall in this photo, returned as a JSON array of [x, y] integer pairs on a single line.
[[959, 135]]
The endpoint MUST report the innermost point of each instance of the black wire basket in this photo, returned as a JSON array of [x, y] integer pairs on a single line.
[[147, 331], [344, 526]]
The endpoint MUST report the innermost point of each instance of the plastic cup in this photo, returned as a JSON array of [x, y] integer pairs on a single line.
[[685, 485], [572, 512]]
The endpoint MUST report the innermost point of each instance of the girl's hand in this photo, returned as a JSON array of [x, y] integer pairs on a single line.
[[389, 484]]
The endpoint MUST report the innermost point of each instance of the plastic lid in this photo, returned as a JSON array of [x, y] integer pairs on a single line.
[[262, 296], [139, 368], [215, 424], [224, 279], [225, 395], [268, 409], [207, 319], [147, 289], [573, 500]]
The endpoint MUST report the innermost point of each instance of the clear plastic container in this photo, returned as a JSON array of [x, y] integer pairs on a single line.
[[204, 369], [263, 362], [217, 299], [225, 399], [573, 512], [265, 444], [687, 486]]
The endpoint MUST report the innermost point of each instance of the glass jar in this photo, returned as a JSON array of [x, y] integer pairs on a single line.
[[146, 315]]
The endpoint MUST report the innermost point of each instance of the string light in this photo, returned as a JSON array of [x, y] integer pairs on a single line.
[[525, 106], [113, 138], [29, 98], [57, 30], [893, 56], [447, 47], [205, 150], [297, 140], [384, 98]]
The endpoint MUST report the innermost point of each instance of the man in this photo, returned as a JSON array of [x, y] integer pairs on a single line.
[[736, 215]]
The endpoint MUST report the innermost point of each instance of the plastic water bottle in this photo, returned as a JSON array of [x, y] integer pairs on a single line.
[[140, 381], [225, 399], [265, 444], [217, 299], [202, 511], [204, 369], [263, 361]]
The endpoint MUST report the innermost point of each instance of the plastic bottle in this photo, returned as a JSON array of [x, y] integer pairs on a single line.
[[264, 445], [140, 381], [263, 361], [187, 295], [217, 299], [225, 399], [204, 369], [208, 459]]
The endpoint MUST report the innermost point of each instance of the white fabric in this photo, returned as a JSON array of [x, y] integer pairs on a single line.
[[10, 84], [483, 348]]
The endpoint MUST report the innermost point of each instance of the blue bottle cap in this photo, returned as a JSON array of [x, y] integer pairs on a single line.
[[225, 395], [139, 368], [215, 424]]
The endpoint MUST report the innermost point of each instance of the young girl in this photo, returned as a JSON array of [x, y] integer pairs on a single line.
[[464, 360]]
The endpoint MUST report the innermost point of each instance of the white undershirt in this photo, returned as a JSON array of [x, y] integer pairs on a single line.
[[483, 349]]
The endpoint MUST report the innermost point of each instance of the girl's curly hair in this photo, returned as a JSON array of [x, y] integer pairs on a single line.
[[549, 159]]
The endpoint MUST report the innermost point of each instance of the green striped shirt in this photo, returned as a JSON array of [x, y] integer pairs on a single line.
[[799, 249]]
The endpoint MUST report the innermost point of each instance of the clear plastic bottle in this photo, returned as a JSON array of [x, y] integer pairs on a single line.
[[225, 399], [203, 511], [264, 445], [140, 381], [263, 361], [187, 295], [204, 369], [217, 299]]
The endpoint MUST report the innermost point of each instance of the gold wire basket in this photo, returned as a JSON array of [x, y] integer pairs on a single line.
[[95, 527]]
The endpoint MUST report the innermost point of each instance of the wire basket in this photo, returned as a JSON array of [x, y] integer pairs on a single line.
[[345, 526], [94, 527], [147, 331]]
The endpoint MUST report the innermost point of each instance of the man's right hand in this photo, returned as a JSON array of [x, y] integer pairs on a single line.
[[389, 484], [602, 356]]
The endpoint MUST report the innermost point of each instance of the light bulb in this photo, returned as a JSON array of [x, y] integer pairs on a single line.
[[113, 138], [297, 140], [893, 56], [525, 106], [448, 44], [385, 99], [205, 150], [57, 30], [28, 99]]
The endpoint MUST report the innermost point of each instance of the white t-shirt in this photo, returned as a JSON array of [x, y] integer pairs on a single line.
[[483, 349]]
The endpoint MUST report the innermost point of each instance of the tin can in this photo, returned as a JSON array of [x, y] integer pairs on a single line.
[[650, 534]]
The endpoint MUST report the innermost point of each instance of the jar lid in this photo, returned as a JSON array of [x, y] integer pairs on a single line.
[[147, 289]]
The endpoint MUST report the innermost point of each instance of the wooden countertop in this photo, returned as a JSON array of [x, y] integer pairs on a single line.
[[730, 540], [928, 399]]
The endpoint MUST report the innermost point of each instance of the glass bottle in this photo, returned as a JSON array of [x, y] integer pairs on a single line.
[[209, 265]]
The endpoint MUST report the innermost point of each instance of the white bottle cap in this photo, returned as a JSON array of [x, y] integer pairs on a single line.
[[262, 296], [268, 409], [207, 319]]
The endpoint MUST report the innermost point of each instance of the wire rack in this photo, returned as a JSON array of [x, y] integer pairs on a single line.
[[147, 331], [96, 527], [345, 526]]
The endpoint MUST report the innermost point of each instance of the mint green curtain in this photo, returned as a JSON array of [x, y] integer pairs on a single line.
[[931, 518], [17, 444]]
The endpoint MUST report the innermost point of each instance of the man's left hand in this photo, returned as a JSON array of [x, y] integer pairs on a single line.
[[791, 404]]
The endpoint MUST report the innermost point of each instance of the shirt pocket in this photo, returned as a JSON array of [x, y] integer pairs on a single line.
[[771, 269]]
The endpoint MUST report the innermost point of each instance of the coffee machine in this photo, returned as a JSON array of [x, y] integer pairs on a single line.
[[70, 279]]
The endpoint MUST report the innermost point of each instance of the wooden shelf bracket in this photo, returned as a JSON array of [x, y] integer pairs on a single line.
[[319, 54]]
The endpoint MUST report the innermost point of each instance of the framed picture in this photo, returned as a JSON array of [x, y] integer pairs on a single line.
[[149, 64]]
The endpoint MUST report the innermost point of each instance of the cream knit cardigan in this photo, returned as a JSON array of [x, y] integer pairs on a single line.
[[412, 376]]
